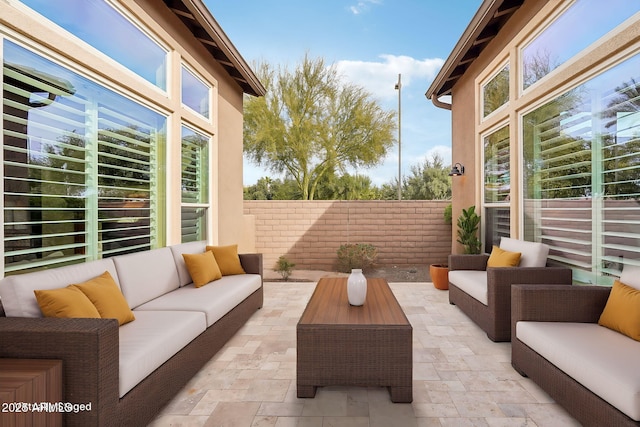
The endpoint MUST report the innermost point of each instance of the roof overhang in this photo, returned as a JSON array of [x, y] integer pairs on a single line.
[[198, 19], [485, 25]]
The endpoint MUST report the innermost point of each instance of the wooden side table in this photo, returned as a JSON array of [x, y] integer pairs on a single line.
[[27, 387]]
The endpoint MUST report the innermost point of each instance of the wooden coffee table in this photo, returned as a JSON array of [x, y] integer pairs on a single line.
[[370, 345]]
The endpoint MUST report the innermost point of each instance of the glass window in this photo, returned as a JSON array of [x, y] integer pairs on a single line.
[[577, 28], [96, 22], [195, 184], [495, 93], [581, 169], [497, 187], [195, 94], [497, 181], [80, 167], [496, 225]]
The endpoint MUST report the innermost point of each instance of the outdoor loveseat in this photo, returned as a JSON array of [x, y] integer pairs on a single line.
[[590, 370], [484, 294], [129, 372]]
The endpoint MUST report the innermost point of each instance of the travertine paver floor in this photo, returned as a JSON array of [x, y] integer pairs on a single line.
[[460, 377]]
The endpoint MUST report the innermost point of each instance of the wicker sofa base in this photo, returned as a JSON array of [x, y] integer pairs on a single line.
[[88, 349], [479, 313], [495, 317], [580, 402], [577, 304]]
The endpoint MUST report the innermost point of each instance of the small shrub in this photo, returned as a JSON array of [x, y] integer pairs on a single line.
[[356, 255], [284, 267], [448, 214]]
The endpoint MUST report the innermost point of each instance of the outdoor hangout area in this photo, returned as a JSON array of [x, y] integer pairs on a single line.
[[219, 340], [145, 281], [460, 377]]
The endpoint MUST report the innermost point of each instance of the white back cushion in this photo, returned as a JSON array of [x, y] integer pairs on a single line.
[[631, 276], [186, 248], [533, 254], [16, 292], [214, 299], [146, 275]]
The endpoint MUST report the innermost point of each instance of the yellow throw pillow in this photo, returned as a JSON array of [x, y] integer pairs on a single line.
[[105, 295], [501, 258], [203, 268], [622, 311], [65, 302], [227, 259]]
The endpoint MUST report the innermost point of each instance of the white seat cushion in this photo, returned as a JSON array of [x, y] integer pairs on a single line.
[[532, 254], [152, 339], [472, 282], [215, 299], [584, 352]]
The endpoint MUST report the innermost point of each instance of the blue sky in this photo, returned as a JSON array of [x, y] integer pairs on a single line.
[[370, 41]]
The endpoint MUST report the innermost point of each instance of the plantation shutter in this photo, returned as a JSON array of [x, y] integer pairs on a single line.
[[45, 220], [195, 185], [584, 182], [80, 167], [497, 187], [621, 177], [126, 183], [561, 187]]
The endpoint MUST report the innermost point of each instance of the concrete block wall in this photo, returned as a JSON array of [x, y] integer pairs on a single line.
[[309, 233]]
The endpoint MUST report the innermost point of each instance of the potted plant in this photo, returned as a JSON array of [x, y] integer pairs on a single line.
[[439, 273], [439, 276], [468, 224]]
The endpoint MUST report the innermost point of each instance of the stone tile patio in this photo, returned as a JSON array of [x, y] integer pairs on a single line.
[[461, 378]]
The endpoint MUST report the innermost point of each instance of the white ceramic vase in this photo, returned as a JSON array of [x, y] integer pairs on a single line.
[[356, 287]]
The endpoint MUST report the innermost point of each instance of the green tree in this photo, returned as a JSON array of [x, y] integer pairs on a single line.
[[389, 190], [428, 181], [312, 123], [622, 152], [347, 187], [496, 91], [261, 190], [272, 189]]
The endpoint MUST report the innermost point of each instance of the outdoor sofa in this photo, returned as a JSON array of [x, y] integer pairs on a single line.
[[590, 370], [484, 293], [128, 373]]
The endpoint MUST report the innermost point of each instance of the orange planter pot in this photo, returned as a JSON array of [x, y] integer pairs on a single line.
[[439, 276]]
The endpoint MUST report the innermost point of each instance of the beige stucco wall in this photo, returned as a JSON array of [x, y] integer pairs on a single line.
[[467, 123], [231, 227], [226, 216], [466, 114], [308, 233]]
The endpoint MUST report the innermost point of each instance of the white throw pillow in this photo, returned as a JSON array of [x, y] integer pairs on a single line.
[[631, 276]]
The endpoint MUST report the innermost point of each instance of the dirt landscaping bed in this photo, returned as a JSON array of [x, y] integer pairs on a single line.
[[391, 274]]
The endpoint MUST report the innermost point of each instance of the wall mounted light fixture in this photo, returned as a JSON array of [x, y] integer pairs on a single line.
[[457, 170]]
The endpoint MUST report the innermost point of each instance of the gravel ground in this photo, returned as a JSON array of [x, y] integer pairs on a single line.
[[418, 273]]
